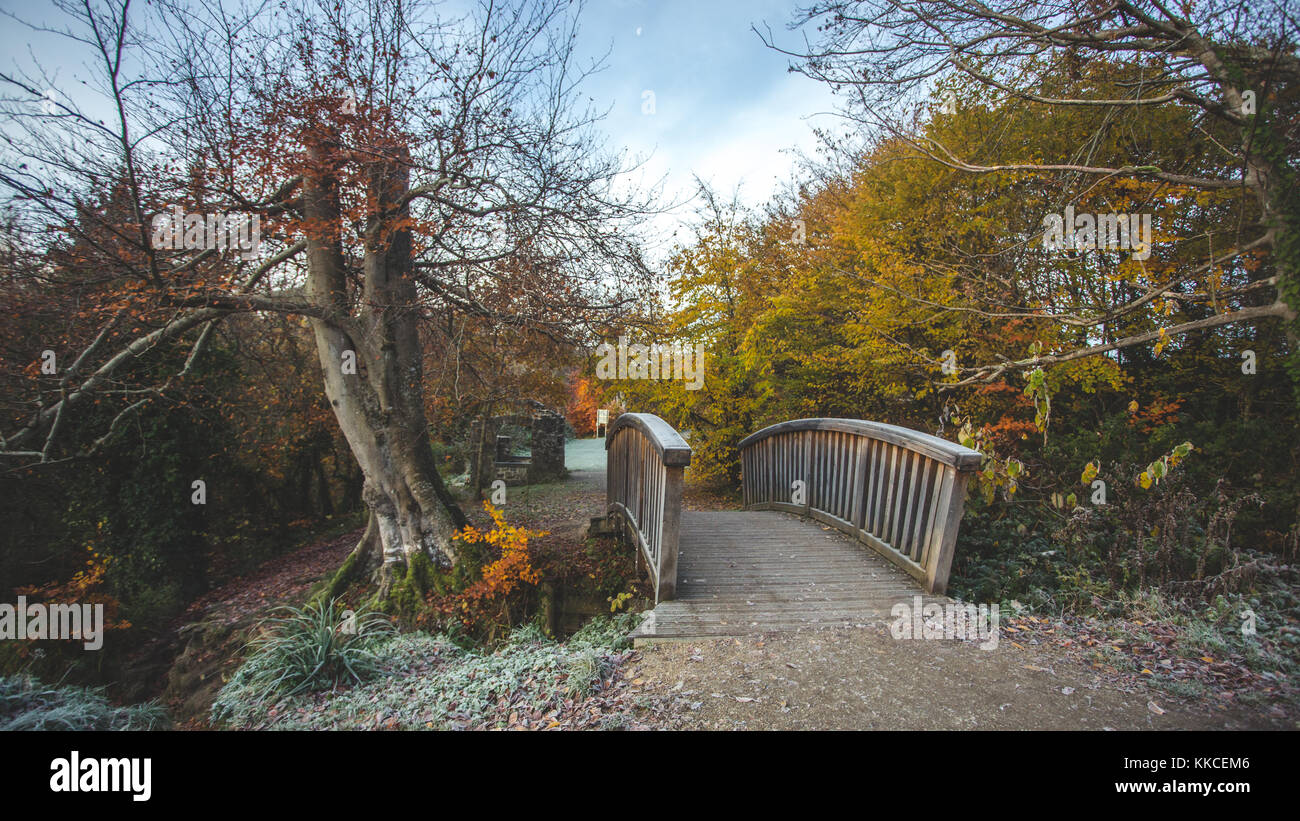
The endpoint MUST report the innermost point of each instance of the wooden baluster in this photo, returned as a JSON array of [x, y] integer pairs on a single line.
[[882, 470], [921, 504], [914, 479], [858, 488]]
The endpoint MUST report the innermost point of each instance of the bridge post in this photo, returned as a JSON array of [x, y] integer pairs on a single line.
[[644, 479], [672, 524], [953, 499]]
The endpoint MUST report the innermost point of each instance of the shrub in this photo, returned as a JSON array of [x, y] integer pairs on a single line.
[[489, 606], [606, 632]]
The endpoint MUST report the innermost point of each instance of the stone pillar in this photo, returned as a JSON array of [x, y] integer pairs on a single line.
[[548, 447]]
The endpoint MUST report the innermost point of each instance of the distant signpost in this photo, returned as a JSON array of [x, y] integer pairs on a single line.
[[602, 421]]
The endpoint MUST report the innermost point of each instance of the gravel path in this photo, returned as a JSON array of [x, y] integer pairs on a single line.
[[864, 679], [586, 456]]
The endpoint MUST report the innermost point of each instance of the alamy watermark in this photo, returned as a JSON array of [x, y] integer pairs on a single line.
[[75, 622], [657, 361], [1100, 232], [89, 774], [180, 231], [954, 620]]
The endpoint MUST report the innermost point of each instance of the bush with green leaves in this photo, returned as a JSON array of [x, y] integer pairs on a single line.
[[27, 704], [317, 646]]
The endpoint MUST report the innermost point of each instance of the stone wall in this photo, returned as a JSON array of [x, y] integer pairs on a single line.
[[490, 457], [547, 461]]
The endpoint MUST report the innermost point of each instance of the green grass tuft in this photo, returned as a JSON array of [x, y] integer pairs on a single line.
[[309, 648]]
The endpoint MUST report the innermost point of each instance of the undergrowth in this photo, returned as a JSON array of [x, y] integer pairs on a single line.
[[428, 681], [317, 646], [27, 704], [1170, 556]]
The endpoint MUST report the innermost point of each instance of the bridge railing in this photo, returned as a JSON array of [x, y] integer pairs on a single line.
[[645, 462], [900, 491]]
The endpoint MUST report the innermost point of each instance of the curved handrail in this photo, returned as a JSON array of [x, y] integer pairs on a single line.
[[645, 461], [900, 491], [947, 452], [672, 448]]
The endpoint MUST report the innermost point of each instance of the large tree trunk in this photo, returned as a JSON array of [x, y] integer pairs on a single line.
[[379, 404]]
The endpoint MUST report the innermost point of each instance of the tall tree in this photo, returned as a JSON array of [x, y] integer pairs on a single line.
[[398, 165]]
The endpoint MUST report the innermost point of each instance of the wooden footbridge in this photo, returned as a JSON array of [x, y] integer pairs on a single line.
[[843, 519]]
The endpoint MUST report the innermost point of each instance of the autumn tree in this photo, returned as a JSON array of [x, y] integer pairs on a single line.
[[398, 164], [1231, 70], [715, 286]]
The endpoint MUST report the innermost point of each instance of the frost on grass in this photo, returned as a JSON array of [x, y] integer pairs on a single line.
[[428, 682], [26, 704]]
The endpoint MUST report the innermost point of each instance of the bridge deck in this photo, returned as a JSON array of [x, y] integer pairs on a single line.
[[743, 572]]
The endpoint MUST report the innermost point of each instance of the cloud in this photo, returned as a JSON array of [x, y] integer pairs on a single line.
[[725, 107]]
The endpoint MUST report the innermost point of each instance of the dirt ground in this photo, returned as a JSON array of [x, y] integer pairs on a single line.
[[864, 679]]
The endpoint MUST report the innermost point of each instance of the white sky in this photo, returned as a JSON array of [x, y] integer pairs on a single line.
[[726, 109]]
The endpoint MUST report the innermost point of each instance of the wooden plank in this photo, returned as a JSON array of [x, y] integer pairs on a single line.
[[802, 465], [904, 540], [741, 572], [882, 468], [857, 490]]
